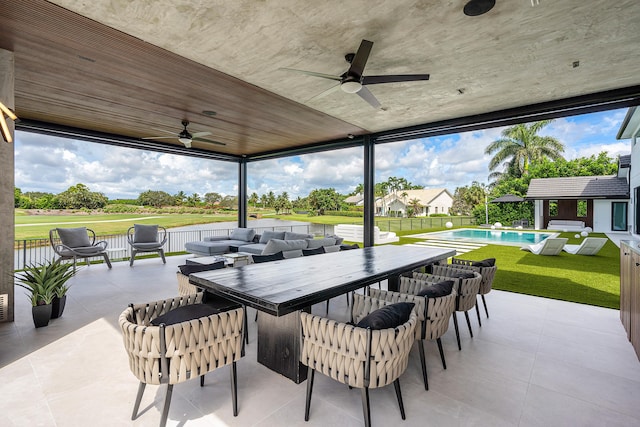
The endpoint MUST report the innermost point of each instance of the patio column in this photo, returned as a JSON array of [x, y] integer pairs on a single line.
[[369, 193], [242, 193], [7, 183]]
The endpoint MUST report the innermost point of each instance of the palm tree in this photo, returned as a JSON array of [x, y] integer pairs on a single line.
[[520, 146]]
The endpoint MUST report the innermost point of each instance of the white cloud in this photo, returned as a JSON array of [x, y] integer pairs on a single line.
[[46, 163]]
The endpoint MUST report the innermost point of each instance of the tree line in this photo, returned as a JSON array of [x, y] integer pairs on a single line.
[[318, 201], [519, 156]]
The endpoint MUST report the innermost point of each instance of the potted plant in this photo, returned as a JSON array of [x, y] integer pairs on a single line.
[[44, 283]]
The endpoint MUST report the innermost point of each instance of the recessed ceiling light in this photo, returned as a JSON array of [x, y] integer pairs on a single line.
[[209, 113], [478, 7]]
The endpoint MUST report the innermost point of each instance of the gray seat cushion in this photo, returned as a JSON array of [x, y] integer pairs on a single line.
[[289, 235], [145, 233], [243, 234], [74, 237], [277, 245], [212, 248], [318, 243], [268, 235]]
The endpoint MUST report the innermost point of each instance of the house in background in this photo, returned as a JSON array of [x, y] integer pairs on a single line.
[[424, 202], [630, 129], [601, 202]]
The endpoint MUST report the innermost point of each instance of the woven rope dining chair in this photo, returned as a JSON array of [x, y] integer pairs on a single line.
[[466, 291], [355, 356], [433, 314], [487, 273], [171, 354], [186, 288]]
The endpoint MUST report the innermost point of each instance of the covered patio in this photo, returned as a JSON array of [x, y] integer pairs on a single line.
[[534, 362]]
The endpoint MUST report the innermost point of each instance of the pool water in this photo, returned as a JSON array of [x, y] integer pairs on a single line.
[[504, 237]]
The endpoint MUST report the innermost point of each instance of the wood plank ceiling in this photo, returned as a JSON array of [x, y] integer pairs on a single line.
[[138, 68]]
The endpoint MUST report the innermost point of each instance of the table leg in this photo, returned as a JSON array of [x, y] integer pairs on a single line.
[[279, 344]]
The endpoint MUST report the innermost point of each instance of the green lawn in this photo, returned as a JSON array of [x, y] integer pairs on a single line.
[[593, 280], [38, 226]]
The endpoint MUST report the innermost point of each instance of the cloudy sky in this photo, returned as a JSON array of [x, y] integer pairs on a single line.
[[49, 164]]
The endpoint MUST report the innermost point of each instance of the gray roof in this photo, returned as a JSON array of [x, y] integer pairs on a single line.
[[578, 187], [624, 161], [508, 198], [354, 199]]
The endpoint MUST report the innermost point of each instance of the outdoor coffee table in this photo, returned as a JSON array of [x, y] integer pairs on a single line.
[[236, 259], [282, 289]]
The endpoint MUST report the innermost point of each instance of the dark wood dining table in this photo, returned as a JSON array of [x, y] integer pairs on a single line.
[[282, 289]]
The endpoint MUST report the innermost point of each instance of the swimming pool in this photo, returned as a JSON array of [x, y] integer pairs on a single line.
[[497, 237]]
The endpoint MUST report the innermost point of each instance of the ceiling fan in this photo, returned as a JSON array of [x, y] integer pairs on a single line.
[[352, 80], [185, 137]]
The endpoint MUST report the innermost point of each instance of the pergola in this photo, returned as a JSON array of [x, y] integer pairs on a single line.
[[114, 71]]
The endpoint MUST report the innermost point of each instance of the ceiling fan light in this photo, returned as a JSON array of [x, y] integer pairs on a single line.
[[185, 141], [351, 86]]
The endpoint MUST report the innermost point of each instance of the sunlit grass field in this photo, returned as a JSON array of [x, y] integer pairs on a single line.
[[38, 226], [593, 280]]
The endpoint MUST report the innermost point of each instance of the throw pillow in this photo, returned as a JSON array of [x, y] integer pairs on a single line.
[[268, 235], [315, 251], [469, 275], [244, 234], [289, 235], [197, 268], [278, 256], [344, 247], [184, 314], [145, 233], [339, 239], [389, 316], [489, 262], [74, 237], [439, 289]]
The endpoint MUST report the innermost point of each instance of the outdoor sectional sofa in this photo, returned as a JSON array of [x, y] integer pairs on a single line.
[[269, 242]]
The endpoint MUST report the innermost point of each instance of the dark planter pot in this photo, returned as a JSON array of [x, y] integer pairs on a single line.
[[57, 306], [41, 315]]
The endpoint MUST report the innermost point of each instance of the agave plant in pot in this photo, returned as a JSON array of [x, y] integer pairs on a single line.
[[45, 283]]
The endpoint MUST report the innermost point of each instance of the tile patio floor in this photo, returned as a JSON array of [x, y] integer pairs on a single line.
[[535, 362]]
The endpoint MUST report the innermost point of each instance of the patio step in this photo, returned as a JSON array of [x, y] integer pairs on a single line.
[[460, 247]]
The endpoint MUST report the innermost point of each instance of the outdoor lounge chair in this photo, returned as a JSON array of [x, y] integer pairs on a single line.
[[550, 246], [146, 238], [589, 246], [80, 242]]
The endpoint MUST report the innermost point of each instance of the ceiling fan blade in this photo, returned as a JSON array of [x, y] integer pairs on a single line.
[[325, 93], [314, 74], [160, 137], [366, 94], [198, 134], [374, 80], [209, 141], [360, 60]]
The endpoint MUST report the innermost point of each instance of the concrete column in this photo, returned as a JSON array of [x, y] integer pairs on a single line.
[[7, 230]]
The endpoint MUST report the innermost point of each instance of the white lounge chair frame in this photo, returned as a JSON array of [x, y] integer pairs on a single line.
[[589, 246], [550, 246]]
